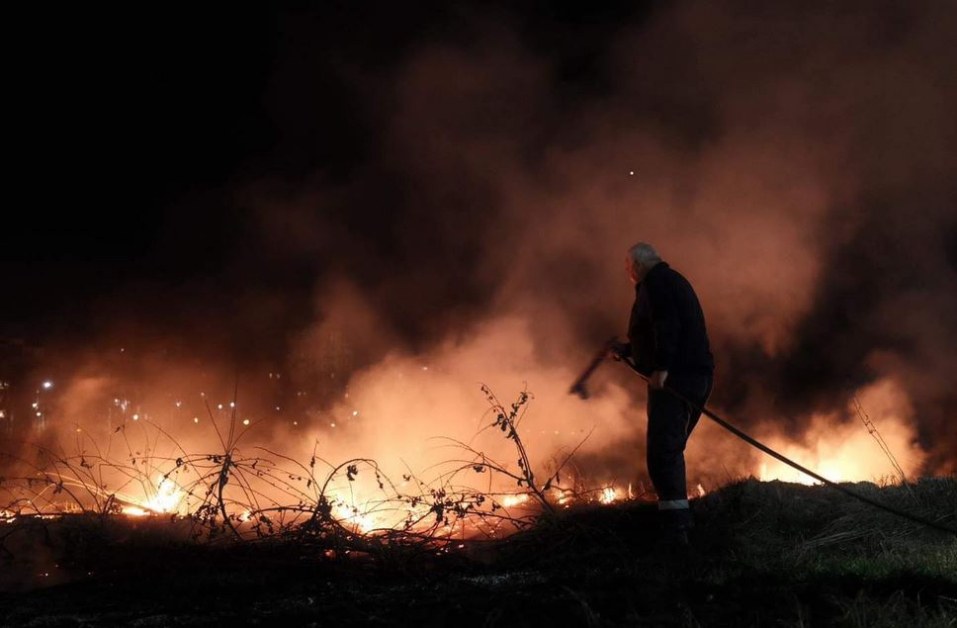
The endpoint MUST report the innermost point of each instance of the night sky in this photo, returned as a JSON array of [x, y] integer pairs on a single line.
[[135, 129], [241, 186]]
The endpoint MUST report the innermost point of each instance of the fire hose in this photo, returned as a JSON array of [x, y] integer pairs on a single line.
[[579, 388]]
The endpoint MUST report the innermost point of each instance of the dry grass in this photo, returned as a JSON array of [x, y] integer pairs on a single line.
[[257, 523]]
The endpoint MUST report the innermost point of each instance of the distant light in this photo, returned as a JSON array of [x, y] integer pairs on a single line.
[[39, 414], [179, 404], [631, 173], [332, 425], [425, 368], [136, 417], [232, 404], [48, 385], [355, 413], [245, 421], [220, 406], [195, 419], [295, 422]]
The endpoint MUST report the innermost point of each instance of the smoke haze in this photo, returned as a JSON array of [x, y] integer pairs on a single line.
[[797, 162]]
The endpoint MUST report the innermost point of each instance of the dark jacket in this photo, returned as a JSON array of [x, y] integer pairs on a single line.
[[667, 330]]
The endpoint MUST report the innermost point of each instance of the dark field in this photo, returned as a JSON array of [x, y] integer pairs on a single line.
[[763, 554]]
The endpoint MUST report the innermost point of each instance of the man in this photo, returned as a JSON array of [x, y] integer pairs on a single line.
[[668, 342]]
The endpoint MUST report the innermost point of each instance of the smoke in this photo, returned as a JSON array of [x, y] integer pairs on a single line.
[[795, 162]]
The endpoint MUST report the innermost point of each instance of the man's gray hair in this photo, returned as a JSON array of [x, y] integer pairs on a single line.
[[643, 255]]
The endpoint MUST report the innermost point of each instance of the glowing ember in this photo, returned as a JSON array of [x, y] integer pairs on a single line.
[[353, 517], [161, 474], [609, 495], [169, 498], [510, 501]]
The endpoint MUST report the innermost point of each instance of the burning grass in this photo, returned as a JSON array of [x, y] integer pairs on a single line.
[[334, 508], [765, 554], [246, 532]]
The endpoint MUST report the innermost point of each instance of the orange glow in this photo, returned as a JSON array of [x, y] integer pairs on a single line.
[[428, 435], [609, 495], [845, 451], [167, 498], [510, 501]]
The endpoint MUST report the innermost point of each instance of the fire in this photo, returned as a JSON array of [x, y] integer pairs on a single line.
[[847, 451], [168, 498], [356, 518], [265, 485], [609, 495], [510, 501]]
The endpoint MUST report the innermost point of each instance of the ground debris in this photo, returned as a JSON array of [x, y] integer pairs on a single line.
[[762, 554]]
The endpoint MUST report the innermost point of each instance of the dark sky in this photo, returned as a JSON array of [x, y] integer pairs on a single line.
[[122, 118], [133, 129]]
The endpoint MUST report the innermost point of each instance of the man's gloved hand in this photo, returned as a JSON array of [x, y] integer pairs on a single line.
[[618, 349]]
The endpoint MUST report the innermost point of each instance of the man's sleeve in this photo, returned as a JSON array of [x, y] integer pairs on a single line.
[[664, 316]]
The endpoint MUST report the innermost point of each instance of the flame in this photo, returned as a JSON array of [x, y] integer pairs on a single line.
[[169, 498], [609, 495], [836, 445], [510, 501], [356, 518], [847, 451]]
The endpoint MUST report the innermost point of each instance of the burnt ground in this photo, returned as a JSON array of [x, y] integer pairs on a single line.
[[763, 554]]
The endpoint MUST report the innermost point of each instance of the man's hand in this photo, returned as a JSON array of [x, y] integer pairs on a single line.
[[657, 379]]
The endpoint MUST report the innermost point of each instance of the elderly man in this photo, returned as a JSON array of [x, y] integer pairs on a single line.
[[668, 342]]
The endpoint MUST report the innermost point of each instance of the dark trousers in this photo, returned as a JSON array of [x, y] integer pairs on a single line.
[[670, 422]]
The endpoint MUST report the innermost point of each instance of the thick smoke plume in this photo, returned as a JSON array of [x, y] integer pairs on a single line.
[[796, 162]]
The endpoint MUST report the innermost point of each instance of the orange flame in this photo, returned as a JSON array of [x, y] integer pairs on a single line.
[[845, 452]]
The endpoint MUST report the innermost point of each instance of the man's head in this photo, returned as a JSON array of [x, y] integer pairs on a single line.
[[640, 258]]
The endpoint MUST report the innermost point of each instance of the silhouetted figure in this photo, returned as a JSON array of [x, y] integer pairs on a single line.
[[668, 342]]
